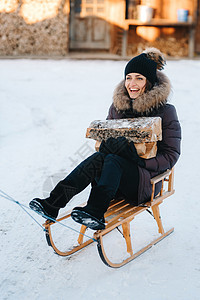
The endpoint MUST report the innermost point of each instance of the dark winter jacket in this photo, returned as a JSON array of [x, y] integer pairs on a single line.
[[151, 104]]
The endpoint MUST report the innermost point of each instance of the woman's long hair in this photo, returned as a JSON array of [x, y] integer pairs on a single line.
[[149, 86]]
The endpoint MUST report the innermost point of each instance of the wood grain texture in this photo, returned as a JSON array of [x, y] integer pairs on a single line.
[[144, 132]]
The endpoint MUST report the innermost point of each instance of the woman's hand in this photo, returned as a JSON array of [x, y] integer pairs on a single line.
[[120, 146], [135, 157], [114, 146]]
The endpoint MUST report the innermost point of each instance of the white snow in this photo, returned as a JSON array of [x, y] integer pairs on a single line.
[[45, 108]]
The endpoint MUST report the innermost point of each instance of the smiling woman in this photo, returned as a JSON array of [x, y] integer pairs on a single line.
[[117, 170], [135, 84]]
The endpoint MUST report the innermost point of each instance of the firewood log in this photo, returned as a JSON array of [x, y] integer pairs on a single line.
[[144, 132]]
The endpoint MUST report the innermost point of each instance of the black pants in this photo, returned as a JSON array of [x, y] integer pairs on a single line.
[[115, 174]]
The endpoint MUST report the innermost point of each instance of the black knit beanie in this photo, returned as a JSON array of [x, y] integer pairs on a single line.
[[146, 64]]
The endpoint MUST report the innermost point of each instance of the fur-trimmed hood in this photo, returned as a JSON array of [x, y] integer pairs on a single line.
[[148, 101]]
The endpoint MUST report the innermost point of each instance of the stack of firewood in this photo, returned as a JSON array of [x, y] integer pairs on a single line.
[[170, 46], [34, 27], [144, 132]]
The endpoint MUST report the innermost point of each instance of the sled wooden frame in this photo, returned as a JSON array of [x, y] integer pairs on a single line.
[[122, 213]]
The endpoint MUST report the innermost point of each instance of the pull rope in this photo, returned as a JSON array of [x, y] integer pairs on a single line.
[[24, 207]]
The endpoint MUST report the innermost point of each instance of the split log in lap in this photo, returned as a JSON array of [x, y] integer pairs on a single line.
[[144, 132]]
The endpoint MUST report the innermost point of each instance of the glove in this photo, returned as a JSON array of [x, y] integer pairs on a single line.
[[123, 148], [114, 146], [135, 157]]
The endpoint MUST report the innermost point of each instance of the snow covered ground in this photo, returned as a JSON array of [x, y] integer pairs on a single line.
[[45, 108]]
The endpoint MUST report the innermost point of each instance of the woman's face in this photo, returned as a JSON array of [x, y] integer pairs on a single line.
[[135, 84]]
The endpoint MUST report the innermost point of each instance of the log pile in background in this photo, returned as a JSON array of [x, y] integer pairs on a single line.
[[170, 46], [34, 27], [144, 132]]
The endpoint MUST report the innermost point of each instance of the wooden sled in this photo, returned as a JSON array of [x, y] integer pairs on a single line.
[[121, 213]]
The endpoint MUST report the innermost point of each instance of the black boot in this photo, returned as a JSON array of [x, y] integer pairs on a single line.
[[83, 216], [43, 208], [58, 198], [92, 215]]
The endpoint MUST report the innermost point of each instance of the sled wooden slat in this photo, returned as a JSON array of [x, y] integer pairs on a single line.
[[121, 213], [118, 208], [126, 217], [160, 177]]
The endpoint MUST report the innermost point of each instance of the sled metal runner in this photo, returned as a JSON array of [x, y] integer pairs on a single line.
[[121, 213]]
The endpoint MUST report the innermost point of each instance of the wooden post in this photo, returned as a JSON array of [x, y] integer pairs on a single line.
[[124, 42], [82, 231], [171, 181], [156, 214], [126, 233], [153, 192], [161, 191], [191, 44]]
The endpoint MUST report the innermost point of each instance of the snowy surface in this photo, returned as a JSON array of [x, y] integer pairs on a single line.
[[45, 108]]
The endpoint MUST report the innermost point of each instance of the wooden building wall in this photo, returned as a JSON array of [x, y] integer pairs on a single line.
[[197, 37], [41, 28]]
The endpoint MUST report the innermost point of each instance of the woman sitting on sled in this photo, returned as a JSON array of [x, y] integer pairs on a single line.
[[117, 170]]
